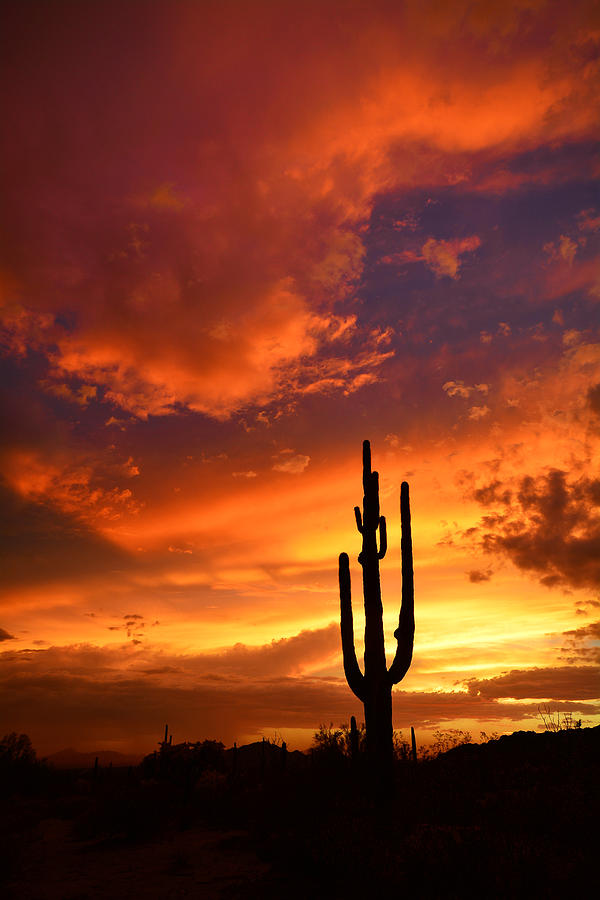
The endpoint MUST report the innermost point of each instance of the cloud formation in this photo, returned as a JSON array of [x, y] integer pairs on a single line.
[[477, 576], [94, 696], [443, 257], [292, 463], [548, 525], [593, 397], [551, 683], [41, 544], [460, 389], [222, 238], [582, 645]]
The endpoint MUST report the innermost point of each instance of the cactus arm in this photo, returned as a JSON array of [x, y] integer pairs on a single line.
[[382, 538], [354, 676], [358, 518], [405, 632]]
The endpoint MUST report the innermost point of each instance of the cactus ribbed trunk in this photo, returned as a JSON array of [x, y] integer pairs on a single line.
[[374, 687]]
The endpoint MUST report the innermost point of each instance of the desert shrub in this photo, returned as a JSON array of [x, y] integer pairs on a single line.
[[447, 740], [553, 721], [16, 750], [330, 741], [20, 769], [402, 749]]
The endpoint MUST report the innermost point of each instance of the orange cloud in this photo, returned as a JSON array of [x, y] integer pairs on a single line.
[[225, 282], [460, 389], [74, 488], [443, 257], [292, 463]]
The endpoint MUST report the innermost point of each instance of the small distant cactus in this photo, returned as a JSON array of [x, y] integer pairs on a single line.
[[413, 741], [353, 739], [165, 741], [374, 687]]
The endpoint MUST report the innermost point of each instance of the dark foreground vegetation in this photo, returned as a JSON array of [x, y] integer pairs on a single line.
[[513, 817]]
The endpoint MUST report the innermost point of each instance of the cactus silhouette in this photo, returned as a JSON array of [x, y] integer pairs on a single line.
[[413, 741], [374, 687], [353, 739]]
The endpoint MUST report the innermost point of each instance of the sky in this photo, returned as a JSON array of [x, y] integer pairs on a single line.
[[238, 238]]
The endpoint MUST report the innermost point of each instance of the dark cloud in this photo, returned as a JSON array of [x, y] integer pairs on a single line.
[[5, 636], [593, 398], [586, 632], [429, 709], [69, 695], [549, 525], [66, 695], [41, 544], [583, 645], [495, 492], [552, 683], [476, 576], [284, 656]]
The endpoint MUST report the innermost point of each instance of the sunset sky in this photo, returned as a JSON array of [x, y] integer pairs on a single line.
[[238, 238]]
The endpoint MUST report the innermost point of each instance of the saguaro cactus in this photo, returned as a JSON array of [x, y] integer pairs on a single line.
[[165, 742], [374, 687]]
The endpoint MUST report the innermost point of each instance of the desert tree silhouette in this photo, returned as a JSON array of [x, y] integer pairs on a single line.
[[20, 768], [17, 750], [374, 687]]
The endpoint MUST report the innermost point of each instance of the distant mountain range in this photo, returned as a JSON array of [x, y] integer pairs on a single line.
[[248, 754]]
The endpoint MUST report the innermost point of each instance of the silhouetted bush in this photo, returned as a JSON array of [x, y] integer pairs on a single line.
[[16, 750], [333, 742], [20, 770]]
